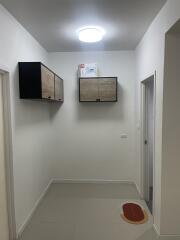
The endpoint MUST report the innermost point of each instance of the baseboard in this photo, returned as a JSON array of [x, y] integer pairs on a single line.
[[62, 180], [168, 237], [164, 236], [27, 220]]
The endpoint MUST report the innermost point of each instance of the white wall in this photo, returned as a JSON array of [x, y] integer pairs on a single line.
[[31, 121], [150, 58], [83, 140], [171, 132], [88, 135], [4, 233], [72, 141]]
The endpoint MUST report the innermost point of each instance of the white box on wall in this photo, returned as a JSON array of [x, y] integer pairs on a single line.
[[88, 70]]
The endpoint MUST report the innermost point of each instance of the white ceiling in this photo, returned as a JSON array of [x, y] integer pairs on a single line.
[[54, 22]]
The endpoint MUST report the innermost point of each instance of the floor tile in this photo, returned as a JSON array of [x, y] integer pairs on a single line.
[[87, 211]]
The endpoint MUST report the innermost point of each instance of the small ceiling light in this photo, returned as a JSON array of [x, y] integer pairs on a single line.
[[91, 34]]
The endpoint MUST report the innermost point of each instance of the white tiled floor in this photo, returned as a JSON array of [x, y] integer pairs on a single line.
[[85, 212]]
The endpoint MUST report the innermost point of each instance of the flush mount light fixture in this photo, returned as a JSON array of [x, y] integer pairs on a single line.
[[91, 34]]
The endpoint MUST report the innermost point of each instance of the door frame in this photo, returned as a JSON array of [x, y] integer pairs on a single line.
[[8, 153], [151, 77]]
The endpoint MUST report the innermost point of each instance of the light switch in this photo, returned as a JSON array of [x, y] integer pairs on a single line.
[[124, 136]]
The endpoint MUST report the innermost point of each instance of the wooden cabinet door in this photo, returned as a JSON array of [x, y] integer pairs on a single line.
[[47, 81], [59, 93], [107, 89], [88, 89]]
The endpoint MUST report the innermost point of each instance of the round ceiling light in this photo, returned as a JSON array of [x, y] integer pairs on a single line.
[[91, 34]]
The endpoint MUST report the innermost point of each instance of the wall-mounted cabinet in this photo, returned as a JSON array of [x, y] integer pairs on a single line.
[[36, 81], [99, 89]]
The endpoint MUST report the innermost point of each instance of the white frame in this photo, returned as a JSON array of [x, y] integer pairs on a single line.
[[143, 134], [8, 153]]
